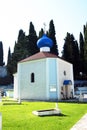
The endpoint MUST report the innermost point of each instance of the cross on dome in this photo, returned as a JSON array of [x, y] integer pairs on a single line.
[[44, 27]]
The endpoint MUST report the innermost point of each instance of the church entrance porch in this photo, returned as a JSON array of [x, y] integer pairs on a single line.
[[66, 91]]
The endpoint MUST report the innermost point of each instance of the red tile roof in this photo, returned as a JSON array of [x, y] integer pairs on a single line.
[[40, 55]]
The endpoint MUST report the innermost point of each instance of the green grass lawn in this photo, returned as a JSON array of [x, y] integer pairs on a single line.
[[20, 117]]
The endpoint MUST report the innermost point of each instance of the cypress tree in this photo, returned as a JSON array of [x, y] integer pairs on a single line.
[[76, 66], [81, 52], [51, 34], [9, 59], [9, 56], [85, 50], [70, 52], [67, 53], [32, 40], [10, 66], [41, 32], [85, 43], [1, 54], [20, 50]]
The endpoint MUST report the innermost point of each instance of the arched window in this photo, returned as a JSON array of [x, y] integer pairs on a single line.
[[32, 77]]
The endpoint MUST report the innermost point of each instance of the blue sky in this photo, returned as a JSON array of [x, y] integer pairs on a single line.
[[68, 16]]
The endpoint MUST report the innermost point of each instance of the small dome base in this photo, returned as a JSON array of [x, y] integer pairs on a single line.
[[44, 49]]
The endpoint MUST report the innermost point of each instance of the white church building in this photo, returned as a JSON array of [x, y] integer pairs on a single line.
[[44, 76]]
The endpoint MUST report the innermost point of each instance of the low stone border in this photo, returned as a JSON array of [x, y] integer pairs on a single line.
[[47, 112]]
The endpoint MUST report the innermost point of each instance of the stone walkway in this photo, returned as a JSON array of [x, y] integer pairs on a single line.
[[81, 124]]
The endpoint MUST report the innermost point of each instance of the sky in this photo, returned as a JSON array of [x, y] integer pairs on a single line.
[[68, 16]]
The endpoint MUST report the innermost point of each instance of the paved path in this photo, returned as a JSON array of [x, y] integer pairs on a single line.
[[81, 124]]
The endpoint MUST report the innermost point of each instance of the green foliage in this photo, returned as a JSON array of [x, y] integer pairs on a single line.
[[81, 42], [26, 46], [41, 32], [20, 117], [81, 52], [85, 50], [5, 80], [85, 43], [67, 48], [32, 40], [20, 52], [9, 67], [70, 52]]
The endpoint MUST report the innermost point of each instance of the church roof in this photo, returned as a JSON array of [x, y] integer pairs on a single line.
[[39, 55]]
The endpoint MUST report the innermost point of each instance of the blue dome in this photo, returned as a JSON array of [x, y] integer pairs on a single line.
[[44, 41]]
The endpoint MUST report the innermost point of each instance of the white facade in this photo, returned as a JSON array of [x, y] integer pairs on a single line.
[[16, 86], [48, 76]]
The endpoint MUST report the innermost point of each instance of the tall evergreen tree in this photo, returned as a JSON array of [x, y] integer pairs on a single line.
[[85, 50], [20, 50], [9, 56], [85, 43], [41, 32], [70, 52], [24, 47], [9, 59], [81, 42], [51, 34], [81, 52], [1, 54], [10, 66], [76, 59], [84, 28], [67, 53], [32, 37]]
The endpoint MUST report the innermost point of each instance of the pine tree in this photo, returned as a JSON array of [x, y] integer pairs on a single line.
[[51, 34]]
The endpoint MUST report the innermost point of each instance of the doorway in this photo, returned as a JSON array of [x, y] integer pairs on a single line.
[[66, 92]]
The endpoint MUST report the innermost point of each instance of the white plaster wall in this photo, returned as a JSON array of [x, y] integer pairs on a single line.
[[15, 86], [68, 68], [36, 90], [49, 72]]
